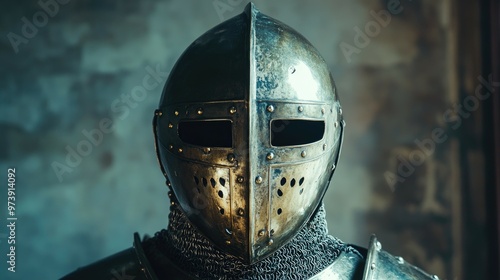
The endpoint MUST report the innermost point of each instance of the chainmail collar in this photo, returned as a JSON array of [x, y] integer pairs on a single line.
[[311, 251]]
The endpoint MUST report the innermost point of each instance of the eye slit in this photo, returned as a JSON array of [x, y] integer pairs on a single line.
[[296, 132], [206, 133]]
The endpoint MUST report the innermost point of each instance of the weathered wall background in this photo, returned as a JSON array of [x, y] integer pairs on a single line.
[[79, 201]]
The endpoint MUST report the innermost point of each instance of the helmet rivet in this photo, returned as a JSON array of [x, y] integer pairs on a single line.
[[199, 111], [228, 242], [340, 111], [258, 180], [207, 150], [323, 111], [400, 260], [232, 110], [231, 158], [270, 108], [333, 166], [291, 69], [240, 179], [270, 156], [270, 242], [180, 150], [262, 232], [241, 212], [303, 154], [169, 184], [378, 246], [301, 109], [324, 146], [336, 124], [170, 125], [176, 113], [170, 146]]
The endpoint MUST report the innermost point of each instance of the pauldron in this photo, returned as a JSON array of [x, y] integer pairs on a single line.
[[377, 264]]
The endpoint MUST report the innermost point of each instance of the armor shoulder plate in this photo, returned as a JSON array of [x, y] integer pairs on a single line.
[[131, 263], [347, 266], [382, 265]]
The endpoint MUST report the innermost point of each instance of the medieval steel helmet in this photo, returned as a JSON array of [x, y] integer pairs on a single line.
[[248, 133]]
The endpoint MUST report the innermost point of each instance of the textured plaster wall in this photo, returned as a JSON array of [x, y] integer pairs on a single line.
[[75, 75]]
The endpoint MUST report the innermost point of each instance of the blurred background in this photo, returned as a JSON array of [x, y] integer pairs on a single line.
[[418, 81]]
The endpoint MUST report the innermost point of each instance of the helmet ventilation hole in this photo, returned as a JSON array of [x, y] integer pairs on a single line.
[[212, 181], [292, 183], [222, 181], [301, 181], [279, 211], [221, 194], [196, 180], [301, 191], [280, 193], [204, 181], [283, 181], [221, 211]]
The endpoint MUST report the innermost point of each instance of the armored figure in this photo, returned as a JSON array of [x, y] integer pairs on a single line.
[[248, 134]]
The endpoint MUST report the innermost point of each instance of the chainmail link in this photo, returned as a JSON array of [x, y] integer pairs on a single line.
[[307, 254]]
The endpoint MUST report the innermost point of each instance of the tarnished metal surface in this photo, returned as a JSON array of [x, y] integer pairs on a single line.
[[210, 183], [250, 198], [346, 267], [382, 265]]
